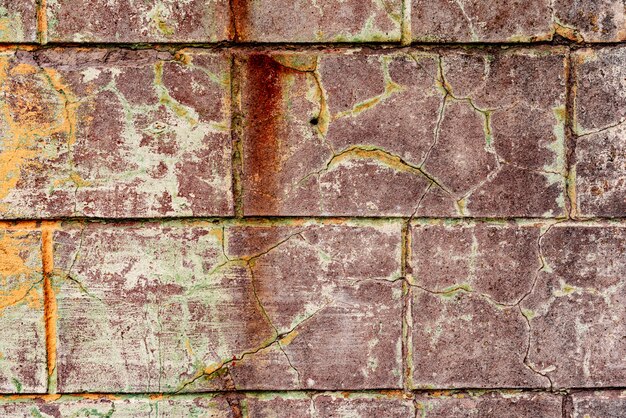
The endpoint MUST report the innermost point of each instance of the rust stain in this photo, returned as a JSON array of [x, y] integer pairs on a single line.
[[264, 121], [100, 396], [288, 339], [11, 262], [29, 117], [183, 57], [42, 22], [52, 397], [16, 280], [20, 225], [239, 13], [19, 396], [50, 301]]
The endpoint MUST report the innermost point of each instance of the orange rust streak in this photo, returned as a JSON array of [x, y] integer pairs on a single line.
[[42, 22], [239, 10], [50, 301], [20, 225], [51, 397], [265, 120]]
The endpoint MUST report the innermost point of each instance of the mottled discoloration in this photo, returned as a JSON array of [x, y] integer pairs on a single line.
[[114, 133], [183, 307], [363, 406], [480, 21], [576, 310], [599, 169], [253, 405], [330, 405], [467, 281], [518, 21], [592, 20], [22, 346], [18, 21], [489, 405], [388, 134], [318, 21], [518, 306], [114, 406], [598, 404], [475, 257], [125, 21]]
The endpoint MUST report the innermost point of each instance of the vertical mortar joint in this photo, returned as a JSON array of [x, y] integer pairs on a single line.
[[50, 305]]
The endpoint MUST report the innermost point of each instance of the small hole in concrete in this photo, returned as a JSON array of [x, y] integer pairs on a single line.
[[314, 121]]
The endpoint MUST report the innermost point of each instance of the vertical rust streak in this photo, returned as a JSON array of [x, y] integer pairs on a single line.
[[263, 104], [239, 12], [50, 304], [42, 22]]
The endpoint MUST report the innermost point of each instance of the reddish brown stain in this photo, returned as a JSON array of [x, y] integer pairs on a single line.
[[264, 121], [239, 13]]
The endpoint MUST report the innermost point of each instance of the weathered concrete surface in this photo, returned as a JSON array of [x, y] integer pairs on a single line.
[[600, 126], [468, 280], [128, 21], [114, 133], [489, 405], [330, 405], [182, 307], [253, 405], [576, 310], [591, 21], [598, 404], [518, 21], [387, 134], [480, 21], [114, 406], [518, 306], [22, 346], [18, 21], [318, 21]]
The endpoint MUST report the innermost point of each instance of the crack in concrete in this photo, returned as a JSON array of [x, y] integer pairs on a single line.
[[600, 130], [16, 302], [278, 338], [561, 29], [381, 156], [211, 372], [543, 266]]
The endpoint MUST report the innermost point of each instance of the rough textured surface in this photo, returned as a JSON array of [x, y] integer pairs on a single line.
[[552, 317], [591, 21], [319, 139], [518, 21], [118, 407], [393, 405], [312, 208], [489, 405], [468, 282], [250, 405], [318, 21], [609, 404], [480, 21], [600, 126], [18, 20], [113, 133], [576, 310], [245, 307], [122, 21], [22, 346]]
